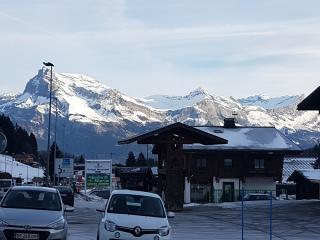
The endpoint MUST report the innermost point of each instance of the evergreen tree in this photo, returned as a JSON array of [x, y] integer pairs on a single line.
[[131, 160], [19, 140], [34, 144], [59, 154], [79, 159], [141, 161]]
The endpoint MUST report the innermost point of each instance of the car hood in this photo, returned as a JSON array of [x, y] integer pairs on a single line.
[[132, 221], [32, 217]]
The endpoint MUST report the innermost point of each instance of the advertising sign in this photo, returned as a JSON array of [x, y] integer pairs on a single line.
[[100, 180], [64, 167], [98, 174]]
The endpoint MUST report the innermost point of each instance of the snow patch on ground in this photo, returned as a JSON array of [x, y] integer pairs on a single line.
[[17, 169]]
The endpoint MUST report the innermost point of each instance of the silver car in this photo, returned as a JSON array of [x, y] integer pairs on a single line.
[[29, 212]]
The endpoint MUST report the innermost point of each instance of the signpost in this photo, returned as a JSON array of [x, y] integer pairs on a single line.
[[64, 167], [98, 174]]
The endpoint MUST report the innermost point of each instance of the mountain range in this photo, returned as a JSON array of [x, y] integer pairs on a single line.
[[92, 117]]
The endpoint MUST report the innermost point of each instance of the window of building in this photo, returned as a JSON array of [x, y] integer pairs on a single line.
[[259, 163], [201, 163], [227, 162]]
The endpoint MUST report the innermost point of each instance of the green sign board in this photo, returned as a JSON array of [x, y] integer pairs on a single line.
[[100, 180]]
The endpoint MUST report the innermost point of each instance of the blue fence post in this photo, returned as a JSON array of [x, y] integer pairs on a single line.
[[271, 215], [242, 195]]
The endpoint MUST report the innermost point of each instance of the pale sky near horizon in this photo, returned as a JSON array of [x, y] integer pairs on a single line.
[[145, 47]]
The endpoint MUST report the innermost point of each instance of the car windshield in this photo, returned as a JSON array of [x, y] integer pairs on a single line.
[[136, 205], [32, 199]]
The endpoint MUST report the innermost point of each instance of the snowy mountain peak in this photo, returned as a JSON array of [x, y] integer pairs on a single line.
[[86, 106], [198, 91]]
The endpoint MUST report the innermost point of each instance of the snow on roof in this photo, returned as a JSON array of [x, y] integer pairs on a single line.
[[292, 164], [311, 174], [251, 138]]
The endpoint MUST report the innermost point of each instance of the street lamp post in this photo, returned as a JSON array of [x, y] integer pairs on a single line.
[[49, 64]]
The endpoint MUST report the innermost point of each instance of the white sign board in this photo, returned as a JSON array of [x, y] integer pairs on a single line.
[[64, 167], [99, 166], [98, 174]]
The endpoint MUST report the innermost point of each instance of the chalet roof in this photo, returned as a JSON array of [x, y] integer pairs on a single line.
[[187, 133], [311, 102], [311, 174], [247, 138], [295, 163]]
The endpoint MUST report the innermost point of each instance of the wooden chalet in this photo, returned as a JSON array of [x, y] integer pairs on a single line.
[[307, 183], [212, 163], [136, 178]]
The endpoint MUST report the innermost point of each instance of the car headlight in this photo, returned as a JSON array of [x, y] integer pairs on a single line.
[[164, 231], [58, 225], [110, 226]]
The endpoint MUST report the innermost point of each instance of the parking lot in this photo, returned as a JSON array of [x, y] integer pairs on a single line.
[[291, 220]]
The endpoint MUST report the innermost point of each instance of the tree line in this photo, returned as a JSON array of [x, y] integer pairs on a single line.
[[141, 161], [19, 140]]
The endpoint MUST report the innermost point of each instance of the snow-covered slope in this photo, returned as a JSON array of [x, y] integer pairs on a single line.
[[92, 117], [18, 169], [83, 99], [166, 102], [270, 103]]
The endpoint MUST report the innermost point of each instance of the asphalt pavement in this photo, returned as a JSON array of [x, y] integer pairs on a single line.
[[294, 220]]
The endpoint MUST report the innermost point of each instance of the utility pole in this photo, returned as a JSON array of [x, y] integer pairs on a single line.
[[49, 64], [55, 143], [5, 161]]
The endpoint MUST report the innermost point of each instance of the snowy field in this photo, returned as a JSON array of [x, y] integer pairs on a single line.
[[292, 220], [17, 169]]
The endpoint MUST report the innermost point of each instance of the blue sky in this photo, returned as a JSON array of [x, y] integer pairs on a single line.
[[144, 47]]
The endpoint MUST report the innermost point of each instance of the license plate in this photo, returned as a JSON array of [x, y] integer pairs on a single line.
[[27, 236]]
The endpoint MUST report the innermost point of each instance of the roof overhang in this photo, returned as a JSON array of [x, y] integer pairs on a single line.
[[186, 134], [311, 102]]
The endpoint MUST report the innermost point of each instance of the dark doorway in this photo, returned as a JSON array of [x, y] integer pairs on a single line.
[[228, 192]]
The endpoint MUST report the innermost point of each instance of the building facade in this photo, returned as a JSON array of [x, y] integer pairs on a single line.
[[215, 163]]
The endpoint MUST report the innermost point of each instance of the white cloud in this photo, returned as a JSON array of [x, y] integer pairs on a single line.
[[126, 52]]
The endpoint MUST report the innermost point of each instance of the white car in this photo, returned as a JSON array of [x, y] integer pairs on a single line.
[[32, 213], [134, 215]]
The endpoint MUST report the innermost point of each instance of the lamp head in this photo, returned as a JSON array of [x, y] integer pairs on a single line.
[[48, 64]]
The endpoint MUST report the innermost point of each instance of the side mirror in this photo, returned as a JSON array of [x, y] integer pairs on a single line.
[[170, 215], [68, 208]]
